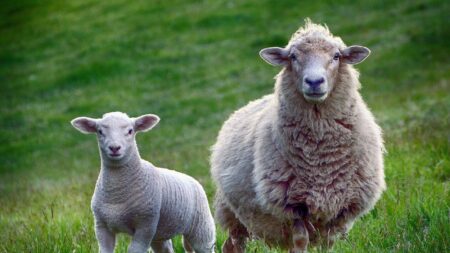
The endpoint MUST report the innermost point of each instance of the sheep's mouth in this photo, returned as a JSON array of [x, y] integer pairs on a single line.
[[315, 94], [315, 97]]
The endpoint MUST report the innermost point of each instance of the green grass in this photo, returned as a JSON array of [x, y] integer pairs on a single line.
[[193, 63]]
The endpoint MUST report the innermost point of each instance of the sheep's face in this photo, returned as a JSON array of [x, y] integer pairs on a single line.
[[115, 132], [314, 64]]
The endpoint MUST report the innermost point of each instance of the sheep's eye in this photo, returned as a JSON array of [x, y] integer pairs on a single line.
[[130, 131], [336, 56], [100, 132], [293, 57]]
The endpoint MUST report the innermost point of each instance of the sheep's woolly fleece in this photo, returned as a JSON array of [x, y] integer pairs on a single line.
[[280, 158]]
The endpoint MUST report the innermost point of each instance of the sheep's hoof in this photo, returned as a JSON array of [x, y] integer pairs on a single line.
[[233, 246], [298, 251], [300, 237], [300, 245]]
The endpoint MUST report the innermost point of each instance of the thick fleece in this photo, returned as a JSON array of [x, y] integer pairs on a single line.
[[283, 165]]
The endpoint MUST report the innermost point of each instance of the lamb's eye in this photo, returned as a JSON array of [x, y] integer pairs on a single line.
[[336, 56], [130, 131], [100, 132], [293, 57]]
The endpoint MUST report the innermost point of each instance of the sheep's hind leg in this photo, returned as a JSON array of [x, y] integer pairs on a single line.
[[300, 237], [163, 246], [237, 233], [237, 238]]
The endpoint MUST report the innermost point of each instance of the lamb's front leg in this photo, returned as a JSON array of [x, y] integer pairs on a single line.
[[300, 237], [106, 239], [142, 239]]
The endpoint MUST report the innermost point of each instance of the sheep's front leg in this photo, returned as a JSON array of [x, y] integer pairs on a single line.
[[344, 220], [106, 239], [142, 239], [338, 228], [300, 237]]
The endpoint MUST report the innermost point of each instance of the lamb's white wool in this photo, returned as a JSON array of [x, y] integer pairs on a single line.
[[297, 167], [132, 196]]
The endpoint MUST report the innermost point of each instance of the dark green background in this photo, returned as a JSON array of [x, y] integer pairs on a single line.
[[193, 63]]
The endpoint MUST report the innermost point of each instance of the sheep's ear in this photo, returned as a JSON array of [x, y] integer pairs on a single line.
[[355, 54], [145, 122], [85, 125], [275, 56]]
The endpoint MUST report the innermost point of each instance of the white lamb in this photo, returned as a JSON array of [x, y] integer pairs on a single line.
[[132, 196], [297, 167]]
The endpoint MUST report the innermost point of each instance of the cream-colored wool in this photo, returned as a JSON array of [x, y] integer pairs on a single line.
[[294, 170], [133, 196]]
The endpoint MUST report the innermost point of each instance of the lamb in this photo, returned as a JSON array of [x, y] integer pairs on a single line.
[[133, 196], [296, 168]]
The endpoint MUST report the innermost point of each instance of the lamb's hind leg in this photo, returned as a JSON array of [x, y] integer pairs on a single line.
[[300, 237], [187, 246], [162, 246], [237, 233], [192, 244]]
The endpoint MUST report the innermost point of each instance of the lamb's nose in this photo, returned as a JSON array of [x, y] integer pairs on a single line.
[[114, 149], [314, 82]]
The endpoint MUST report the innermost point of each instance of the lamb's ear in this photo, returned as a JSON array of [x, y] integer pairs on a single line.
[[145, 122], [275, 56], [85, 125], [355, 54]]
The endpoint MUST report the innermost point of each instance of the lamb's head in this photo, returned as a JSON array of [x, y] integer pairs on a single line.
[[312, 58], [115, 132]]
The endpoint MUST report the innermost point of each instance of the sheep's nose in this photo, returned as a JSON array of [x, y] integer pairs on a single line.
[[114, 149], [314, 82]]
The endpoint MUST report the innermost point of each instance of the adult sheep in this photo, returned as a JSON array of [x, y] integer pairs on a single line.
[[297, 167]]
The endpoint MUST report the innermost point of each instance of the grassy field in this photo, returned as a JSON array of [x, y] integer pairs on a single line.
[[193, 63]]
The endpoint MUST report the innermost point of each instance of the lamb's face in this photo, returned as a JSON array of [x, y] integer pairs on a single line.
[[116, 132], [314, 64]]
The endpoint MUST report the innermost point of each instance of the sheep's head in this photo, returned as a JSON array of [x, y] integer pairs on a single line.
[[115, 132], [313, 57]]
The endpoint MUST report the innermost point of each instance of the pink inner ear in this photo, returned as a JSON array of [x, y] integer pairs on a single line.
[[146, 122], [85, 124], [355, 54], [89, 126], [274, 55]]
